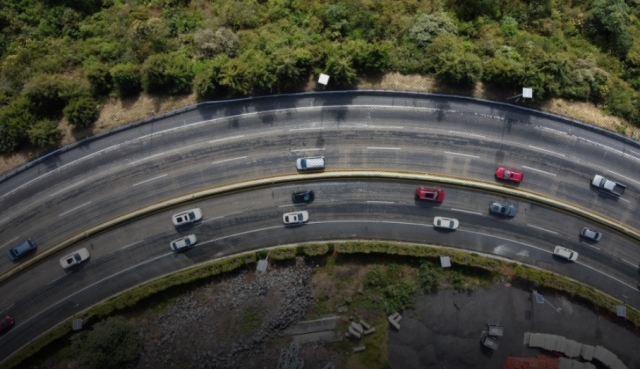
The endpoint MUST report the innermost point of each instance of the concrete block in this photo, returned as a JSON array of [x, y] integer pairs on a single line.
[[364, 324], [369, 331], [394, 315], [354, 333], [359, 349], [394, 324], [357, 327]]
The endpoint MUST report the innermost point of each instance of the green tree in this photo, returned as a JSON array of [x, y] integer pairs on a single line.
[[502, 71], [48, 94], [509, 27], [428, 276], [99, 77], [44, 133], [608, 22], [81, 112], [234, 77], [428, 26], [207, 74], [260, 72], [167, 73], [126, 79], [15, 120], [341, 71], [291, 67], [109, 344], [210, 43], [451, 62], [368, 58]]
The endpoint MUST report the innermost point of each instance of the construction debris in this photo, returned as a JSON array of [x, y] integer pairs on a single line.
[[394, 319], [369, 331], [364, 324], [358, 349]]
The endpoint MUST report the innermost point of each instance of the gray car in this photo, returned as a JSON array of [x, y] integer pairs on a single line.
[[590, 234], [504, 209]]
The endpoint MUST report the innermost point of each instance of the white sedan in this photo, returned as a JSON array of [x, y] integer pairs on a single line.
[[448, 223], [187, 217], [183, 243], [296, 217], [74, 258]]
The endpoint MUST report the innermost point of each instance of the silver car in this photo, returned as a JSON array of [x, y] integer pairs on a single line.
[[187, 217], [591, 234], [74, 258], [184, 243], [503, 209], [448, 223], [296, 217]]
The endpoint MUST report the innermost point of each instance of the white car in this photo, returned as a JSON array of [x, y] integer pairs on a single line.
[[183, 243], [187, 217], [74, 258], [313, 163], [566, 253], [448, 223], [296, 217]]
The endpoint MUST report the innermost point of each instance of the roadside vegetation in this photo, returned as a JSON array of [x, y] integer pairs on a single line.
[[387, 278], [61, 61]]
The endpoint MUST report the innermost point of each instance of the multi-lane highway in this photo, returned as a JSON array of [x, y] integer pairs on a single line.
[[215, 145]]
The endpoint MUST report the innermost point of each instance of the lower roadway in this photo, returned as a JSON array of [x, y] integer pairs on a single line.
[[132, 254]]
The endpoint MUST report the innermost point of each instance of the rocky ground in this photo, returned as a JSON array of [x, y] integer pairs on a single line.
[[226, 325]]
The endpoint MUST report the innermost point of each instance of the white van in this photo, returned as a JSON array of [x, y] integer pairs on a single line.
[[564, 252], [313, 163]]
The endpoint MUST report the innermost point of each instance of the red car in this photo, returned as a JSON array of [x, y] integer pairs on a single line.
[[6, 323], [509, 175], [429, 194]]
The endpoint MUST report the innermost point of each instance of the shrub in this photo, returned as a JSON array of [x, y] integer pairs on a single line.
[[126, 79], [608, 22], [341, 71], [451, 63], [428, 26], [212, 43], [315, 249], [428, 276], [47, 94], [207, 74], [99, 77], [399, 296], [501, 71], [167, 74], [368, 58], [81, 112], [15, 120], [44, 133], [509, 27], [109, 344], [283, 253]]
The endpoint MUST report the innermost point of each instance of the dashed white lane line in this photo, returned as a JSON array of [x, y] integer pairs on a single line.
[[149, 180], [555, 131], [226, 139], [286, 205], [147, 158], [15, 238], [624, 199], [538, 170], [460, 154], [382, 148], [379, 202], [467, 211], [76, 208], [590, 245], [628, 262], [129, 245], [625, 177], [467, 134], [7, 308], [542, 229], [66, 188], [305, 129], [226, 160], [549, 151], [315, 149], [57, 279], [216, 218]]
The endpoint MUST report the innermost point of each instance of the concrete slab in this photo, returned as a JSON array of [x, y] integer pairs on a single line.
[[326, 324], [326, 336]]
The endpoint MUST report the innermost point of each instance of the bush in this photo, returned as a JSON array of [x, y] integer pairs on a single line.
[[15, 120], [428, 276], [509, 27], [376, 277], [207, 74], [341, 71], [502, 71], [283, 253], [234, 77], [109, 344], [81, 112], [399, 296], [126, 79], [368, 58], [291, 67], [99, 77], [428, 26], [315, 249], [44, 133], [167, 74], [212, 43], [451, 63], [48, 94], [608, 22]]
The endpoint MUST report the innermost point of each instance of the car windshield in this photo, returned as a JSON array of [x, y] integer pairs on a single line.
[[192, 216], [303, 163], [506, 174], [77, 257]]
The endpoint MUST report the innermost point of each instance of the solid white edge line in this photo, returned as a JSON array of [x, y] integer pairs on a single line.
[[226, 138], [316, 149], [129, 245], [542, 229], [590, 245], [304, 129], [620, 175], [149, 180], [226, 160], [76, 208], [379, 202], [467, 134], [539, 170], [57, 279], [541, 149], [460, 154], [382, 148], [467, 211]]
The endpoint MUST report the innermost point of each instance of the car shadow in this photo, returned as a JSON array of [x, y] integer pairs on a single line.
[[427, 204]]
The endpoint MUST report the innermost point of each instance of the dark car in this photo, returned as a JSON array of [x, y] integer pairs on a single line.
[[509, 175], [429, 194], [21, 250], [302, 197], [6, 323]]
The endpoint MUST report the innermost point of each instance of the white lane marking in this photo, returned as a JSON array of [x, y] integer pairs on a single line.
[[226, 138], [588, 244], [7, 308], [76, 208], [149, 180], [467, 134], [212, 219], [15, 238], [628, 262], [286, 205], [305, 129], [620, 175], [540, 228], [467, 211], [603, 273], [316, 149], [457, 153], [385, 127], [538, 170], [624, 199], [66, 188], [226, 160], [380, 202], [555, 131], [382, 148], [129, 245], [57, 279], [147, 158], [541, 149]]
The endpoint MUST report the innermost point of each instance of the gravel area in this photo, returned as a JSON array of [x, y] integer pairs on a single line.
[[225, 324]]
